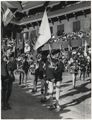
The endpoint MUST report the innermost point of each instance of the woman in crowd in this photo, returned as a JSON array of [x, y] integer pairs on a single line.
[[32, 69], [83, 64], [74, 71], [88, 66], [26, 68], [20, 69], [36, 75]]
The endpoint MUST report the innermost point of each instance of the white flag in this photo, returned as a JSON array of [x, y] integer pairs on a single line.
[[7, 16], [44, 31]]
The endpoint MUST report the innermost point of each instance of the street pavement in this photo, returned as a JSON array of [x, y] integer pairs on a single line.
[[75, 103]]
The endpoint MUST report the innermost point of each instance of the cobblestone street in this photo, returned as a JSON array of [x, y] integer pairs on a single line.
[[75, 103]]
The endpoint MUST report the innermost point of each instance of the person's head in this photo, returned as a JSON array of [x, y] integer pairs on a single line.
[[11, 57], [74, 63], [55, 53], [5, 58], [60, 59], [39, 57]]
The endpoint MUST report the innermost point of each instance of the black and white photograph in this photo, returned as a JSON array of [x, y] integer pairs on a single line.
[[46, 59]]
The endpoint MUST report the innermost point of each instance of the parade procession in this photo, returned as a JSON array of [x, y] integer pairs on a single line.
[[46, 59]]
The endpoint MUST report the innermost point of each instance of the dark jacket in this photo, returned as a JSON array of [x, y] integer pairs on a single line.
[[4, 71], [25, 66], [58, 71], [41, 63], [83, 63], [11, 66], [49, 72]]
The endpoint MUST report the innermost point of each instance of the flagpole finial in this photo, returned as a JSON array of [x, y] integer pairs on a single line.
[[46, 4]]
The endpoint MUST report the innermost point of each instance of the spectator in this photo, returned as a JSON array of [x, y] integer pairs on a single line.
[[26, 68], [11, 66], [5, 80], [21, 77]]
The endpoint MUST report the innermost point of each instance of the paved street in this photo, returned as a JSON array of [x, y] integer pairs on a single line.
[[75, 103]]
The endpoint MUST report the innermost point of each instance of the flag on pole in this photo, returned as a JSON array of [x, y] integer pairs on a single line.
[[7, 17], [44, 32], [7, 13], [85, 49]]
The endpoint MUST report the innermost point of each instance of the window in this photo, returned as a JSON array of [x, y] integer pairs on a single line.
[[76, 26], [60, 29], [51, 29]]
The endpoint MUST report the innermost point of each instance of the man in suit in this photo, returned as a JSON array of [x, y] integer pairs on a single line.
[[5, 80], [11, 66]]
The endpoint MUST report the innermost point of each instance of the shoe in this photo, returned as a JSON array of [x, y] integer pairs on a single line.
[[36, 90], [19, 83], [33, 91], [52, 107], [55, 105], [58, 109]]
